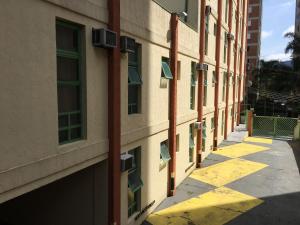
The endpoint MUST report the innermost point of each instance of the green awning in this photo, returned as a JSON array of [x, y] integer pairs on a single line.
[[134, 181], [133, 76], [164, 153], [166, 72], [193, 81]]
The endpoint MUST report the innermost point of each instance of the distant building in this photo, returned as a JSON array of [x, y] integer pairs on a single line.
[[297, 18], [254, 35]]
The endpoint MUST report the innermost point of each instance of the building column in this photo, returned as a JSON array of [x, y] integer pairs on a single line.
[[173, 104], [218, 54], [201, 81], [114, 118], [235, 60], [228, 70]]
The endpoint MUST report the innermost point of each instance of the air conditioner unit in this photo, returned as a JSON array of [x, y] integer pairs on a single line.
[[127, 44], [104, 38], [207, 10], [126, 162], [201, 66], [230, 36], [198, 125]]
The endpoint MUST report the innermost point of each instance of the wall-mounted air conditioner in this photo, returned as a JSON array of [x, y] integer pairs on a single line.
[[201, 66], [198, 125], [126, 162], [127, 44], [230, 36], [104, 38], [208, 10]]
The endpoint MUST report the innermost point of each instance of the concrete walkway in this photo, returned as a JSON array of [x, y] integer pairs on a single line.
[[251, 183]]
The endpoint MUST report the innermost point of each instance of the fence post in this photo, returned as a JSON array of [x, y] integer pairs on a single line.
[[250, 123], [275, 126], [297, 130]]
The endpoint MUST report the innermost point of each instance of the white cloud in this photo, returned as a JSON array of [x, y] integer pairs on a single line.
[[287, 4], [266, 34], [277, 56], [289, 29]]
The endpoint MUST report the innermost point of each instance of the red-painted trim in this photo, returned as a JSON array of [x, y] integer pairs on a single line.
[[241, 65], [173, 104], [114, 118], [218, 56], [235, 61], [228, 70], [201, 80]]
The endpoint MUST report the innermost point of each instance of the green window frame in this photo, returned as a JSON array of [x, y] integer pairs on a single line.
[[165, 69], [164, 152], [69, 81], [206, 33], [225, 47], [134, 80], [226, 11], [204, 134], [135, 183], [214, 78], [212, 123], [191, 143], [223, 121], [205, 89], [193, 85], [224, 86]]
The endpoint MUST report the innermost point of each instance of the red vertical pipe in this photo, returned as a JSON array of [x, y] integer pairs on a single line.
[[201, 80], [228, 69], [241, 65], [218, 54], [237, 16], [173, 104], [114, 117]]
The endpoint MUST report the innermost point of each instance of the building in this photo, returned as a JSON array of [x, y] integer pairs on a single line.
[[71, 110], [254, 35], [297, 18]]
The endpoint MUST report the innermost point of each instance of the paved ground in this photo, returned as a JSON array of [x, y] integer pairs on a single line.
[[251, 183]]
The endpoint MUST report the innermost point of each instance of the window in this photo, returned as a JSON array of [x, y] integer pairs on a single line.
[[206, 33], [212, 123], [164, 153], [225, 47], [191, 143], [177, 142], [215, 29], [224, 86], [69, 81], [250, 9], [134, 183], [165, 68], [248, 36], [178, 70], [193, 85], [223, 123], [226, 11], [214, 78], [249, 22], [204, 135], [134, 80], [205, 89]]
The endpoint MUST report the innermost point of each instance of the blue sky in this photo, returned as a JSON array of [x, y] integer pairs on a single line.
[[278, 18]]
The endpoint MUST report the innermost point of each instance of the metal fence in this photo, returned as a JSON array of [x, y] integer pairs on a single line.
[[274, 126]]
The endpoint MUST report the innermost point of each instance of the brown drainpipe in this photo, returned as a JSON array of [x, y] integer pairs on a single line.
[[241, 66], [114, 118], [201, 81], [228, 69], [173, 104], [245, 62], [218, 54], [235, 60]]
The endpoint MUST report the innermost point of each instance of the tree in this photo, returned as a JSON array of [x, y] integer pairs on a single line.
[[293, 47]]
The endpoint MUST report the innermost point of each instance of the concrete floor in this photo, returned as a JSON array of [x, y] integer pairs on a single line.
[[249, 183]]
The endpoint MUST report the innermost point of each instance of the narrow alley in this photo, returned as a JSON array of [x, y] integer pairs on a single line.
[[254, 182]]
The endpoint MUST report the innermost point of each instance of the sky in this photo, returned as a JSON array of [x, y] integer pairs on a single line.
[[278, 18]]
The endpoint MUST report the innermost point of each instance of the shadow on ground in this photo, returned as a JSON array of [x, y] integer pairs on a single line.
[[295, 145]]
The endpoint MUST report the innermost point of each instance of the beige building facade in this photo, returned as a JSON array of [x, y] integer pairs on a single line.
[[54, 105]]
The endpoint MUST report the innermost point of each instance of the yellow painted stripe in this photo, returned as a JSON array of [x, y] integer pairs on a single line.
[[227, 172], [216, 207], [258, 140], [238, 150]]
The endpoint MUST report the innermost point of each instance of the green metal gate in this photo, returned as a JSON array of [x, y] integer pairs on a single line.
[[274, 126]]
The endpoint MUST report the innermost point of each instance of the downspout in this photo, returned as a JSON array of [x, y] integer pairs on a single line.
[[201, 80], [114, 118], [218, 54], [173, 104], [241, 65], [228, 70], [237, 17], [245, 62]]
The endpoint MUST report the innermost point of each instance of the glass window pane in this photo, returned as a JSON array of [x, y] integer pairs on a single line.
[[164, 152], [63, 136], [67, 69], [133, 76], [76, 133], [63, 121], [133, 98], [166, 71], [68, 98], [134, 181], [66, 38], [75, 119]]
